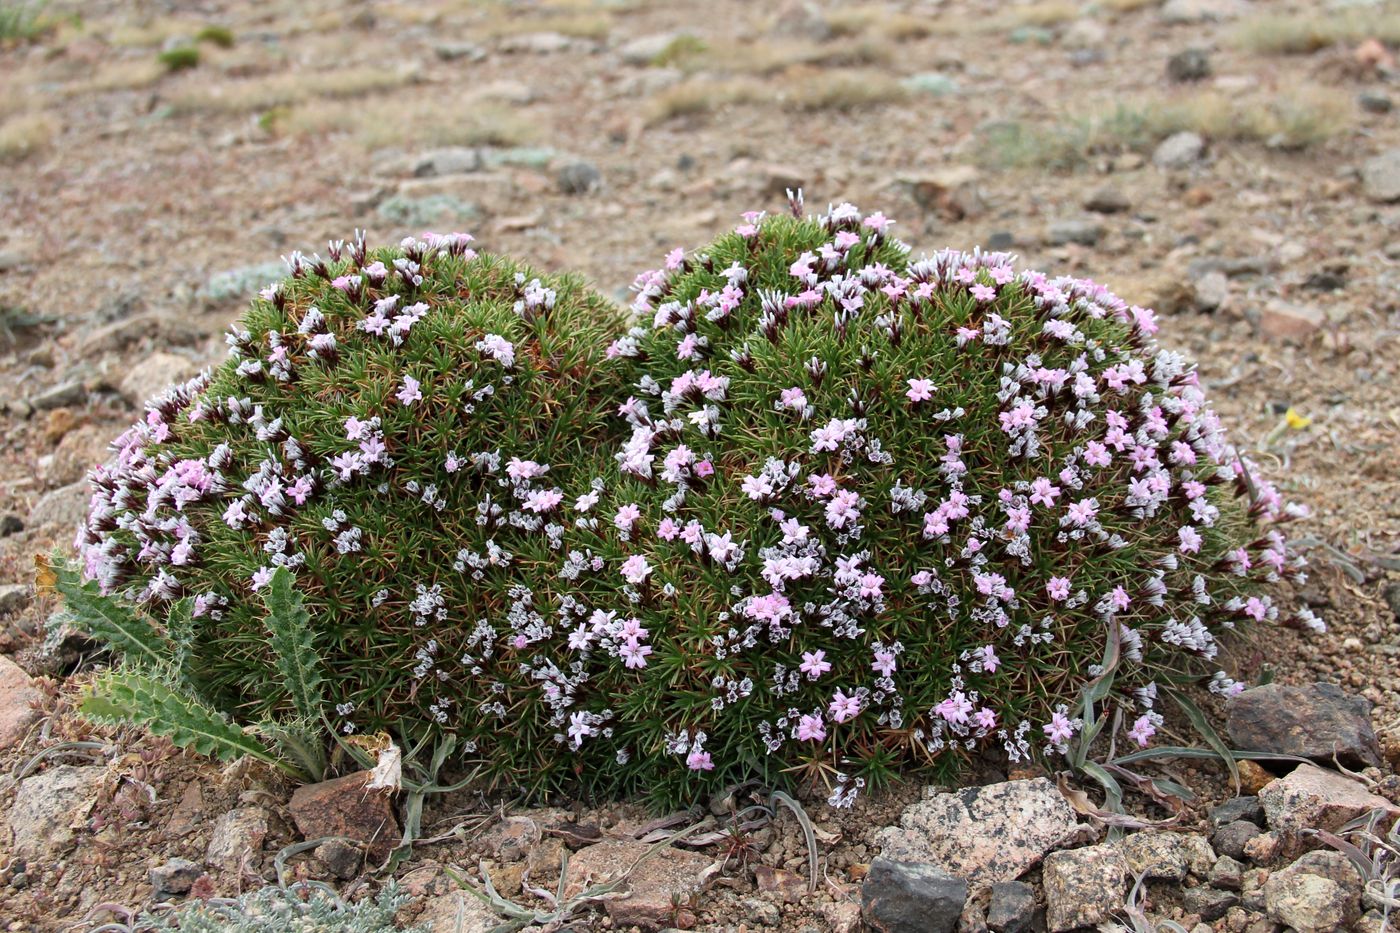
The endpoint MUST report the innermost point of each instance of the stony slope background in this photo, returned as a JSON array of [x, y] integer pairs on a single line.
[[1235, 165]]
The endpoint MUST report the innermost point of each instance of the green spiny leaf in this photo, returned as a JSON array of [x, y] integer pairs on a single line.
[[130, 697], [289, 634], [109, 620]]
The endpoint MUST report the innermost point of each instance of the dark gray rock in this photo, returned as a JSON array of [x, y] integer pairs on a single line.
[[1238, 808], [579, 178], [911, 897], [1189, 65], [1392, 599], [342, 858], [1012, 908], [1230, 839], [1001, 240], [1208, 903], [1084, 231], [1374, 102], [10, 524], [176, 876], [63, 395], [1314, 721], [1227, 874]]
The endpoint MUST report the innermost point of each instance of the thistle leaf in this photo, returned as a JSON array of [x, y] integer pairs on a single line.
[[289, 634], [129, 697], [109, 620]]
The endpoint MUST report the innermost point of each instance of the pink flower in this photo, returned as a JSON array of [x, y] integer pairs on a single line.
[[627, 516], [956, 708], [814, 664], [877, 222], [704, 468], [543, 500], [409, 393], [1059, 729], [1057, 588], [986, 719], [1190, 539], [1043, 492], [699, 760], [920, 390], [843, 708], [1120, 599], [884, 663], [983, 293], [668, 529], [793, 398], [1142, 730], [988, 656], [635, 569], [1081, 513], [675, 258], [634, 654], [810, 728]]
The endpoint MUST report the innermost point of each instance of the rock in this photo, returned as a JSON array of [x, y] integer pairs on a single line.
[[347, 807], [645, 50], [669, 877], [1380, 177], [952, 192], [242, 283], [1374, 102], [841, 916], [449, 160], [153, 375], [1311, 797], [538, 43], [1185, 12], [1284, 320], [1188, 65], [1083, 886], [63, 395], [17, 698], [531, 157], [984, 834], [1314, 721], [426, 211], [1001, 240], [911, 897], [65, 506], [1263, 848], [775, 180], [1083, 231], [237, 840], [454, 51], [762, 912], [457, 912], [1231, 838], [801, 19], [342, 858], [787, 886], [1108, 201], [1179, 150], [1392, 599], [10, 261], [14, 597], [1166, 855], [1210, 291], [48, 807], [1084, 34], [1012, 908], [932, 83], [1320, 891], [176, 876], [1226, 874], [1208, 903], [10, 524], [579, 178]]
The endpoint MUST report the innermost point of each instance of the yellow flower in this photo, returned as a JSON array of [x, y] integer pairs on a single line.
[[1296, 421]]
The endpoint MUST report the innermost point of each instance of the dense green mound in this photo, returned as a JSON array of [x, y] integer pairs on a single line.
[[823, 512]]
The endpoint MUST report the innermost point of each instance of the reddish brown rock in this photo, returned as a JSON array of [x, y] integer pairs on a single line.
[[348, 808], [1314, 721], [17, 698], [1313, 798], [661, 887]]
